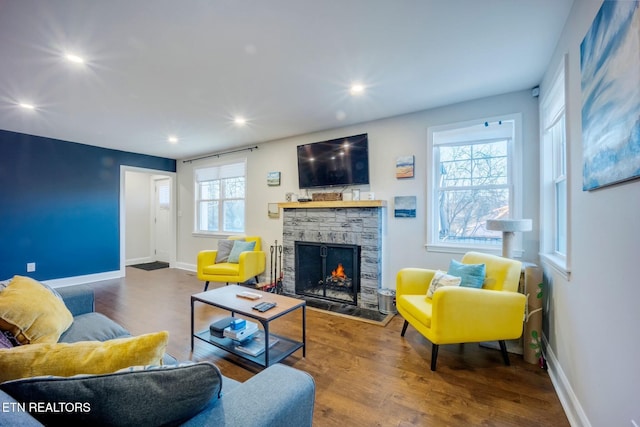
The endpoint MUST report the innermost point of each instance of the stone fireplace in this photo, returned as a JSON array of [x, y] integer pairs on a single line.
[[352, 226]]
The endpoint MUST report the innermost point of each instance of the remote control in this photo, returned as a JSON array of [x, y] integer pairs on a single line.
[[264, 306]]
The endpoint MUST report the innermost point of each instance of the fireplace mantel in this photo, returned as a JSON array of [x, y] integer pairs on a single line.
[[334, 204]]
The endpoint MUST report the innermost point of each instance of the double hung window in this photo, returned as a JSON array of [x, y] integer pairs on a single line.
[[554, 176], [473, 180], [220, 198]]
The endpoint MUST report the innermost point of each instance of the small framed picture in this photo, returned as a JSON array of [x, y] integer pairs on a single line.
[[405, 206], [405, 167], [273, 179], [273, 210]]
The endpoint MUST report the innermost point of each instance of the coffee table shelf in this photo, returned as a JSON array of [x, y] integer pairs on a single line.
[[283, 348], [227, 298]]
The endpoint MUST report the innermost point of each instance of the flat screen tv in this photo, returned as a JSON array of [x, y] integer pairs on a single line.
[[342, 161]]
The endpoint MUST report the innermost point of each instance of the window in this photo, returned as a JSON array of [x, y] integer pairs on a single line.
[[553, 173], [220, 198], [472, 181], [164, 194]]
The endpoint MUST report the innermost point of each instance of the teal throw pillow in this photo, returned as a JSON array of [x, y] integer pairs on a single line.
[[238, 248], [472, 275]]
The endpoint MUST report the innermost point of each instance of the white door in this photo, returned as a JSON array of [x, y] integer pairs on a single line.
[[162, 216]]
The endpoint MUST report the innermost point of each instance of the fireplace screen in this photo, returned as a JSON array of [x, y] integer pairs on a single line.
[[327, 270]]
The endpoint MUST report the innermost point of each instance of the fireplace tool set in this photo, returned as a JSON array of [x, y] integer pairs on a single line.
[[274, 284]]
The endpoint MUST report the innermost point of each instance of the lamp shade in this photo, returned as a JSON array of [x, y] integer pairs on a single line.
[[511, 225]]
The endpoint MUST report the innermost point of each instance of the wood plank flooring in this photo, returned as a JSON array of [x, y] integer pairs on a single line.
[[366, 375]]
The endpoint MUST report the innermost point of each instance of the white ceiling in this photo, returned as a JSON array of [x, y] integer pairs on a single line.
[[156, 68]]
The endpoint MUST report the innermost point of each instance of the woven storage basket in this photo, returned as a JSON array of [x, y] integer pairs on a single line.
[[326, 197]]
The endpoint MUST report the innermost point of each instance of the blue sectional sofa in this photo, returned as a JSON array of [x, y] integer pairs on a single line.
[[189, 394]]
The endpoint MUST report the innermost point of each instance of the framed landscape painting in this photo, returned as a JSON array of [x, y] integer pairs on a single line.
[[405, 206], [405, 167], [273, 179], [610, 74]]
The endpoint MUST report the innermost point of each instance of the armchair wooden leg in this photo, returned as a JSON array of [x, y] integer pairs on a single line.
[[404, 328], [206, 286], [434, 356], [505, 355]]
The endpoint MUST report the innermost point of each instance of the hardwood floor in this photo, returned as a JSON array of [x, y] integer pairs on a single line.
[[366, 375]]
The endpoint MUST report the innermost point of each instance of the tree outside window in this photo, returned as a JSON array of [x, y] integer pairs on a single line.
[[473, 188]]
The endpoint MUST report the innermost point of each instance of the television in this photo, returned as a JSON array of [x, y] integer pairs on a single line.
[[337, 162]]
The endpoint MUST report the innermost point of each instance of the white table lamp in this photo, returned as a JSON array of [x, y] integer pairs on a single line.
[[508, 228]]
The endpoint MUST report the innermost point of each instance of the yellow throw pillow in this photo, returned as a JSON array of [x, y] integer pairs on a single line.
[[82, 357], [32, 313]]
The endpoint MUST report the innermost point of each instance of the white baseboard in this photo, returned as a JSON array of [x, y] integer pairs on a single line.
[[568, 399], [142, 260], [184, 266], [81, 280]]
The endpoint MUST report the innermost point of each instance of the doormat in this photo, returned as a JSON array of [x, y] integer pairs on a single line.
[[349, 311], [156, 265]]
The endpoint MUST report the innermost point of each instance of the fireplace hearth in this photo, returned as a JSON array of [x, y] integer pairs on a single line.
[[328, 271]]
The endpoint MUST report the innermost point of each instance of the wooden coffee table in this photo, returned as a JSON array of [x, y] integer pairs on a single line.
[[226, 298]]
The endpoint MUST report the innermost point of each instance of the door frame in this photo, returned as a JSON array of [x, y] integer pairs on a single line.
[[123, 210]]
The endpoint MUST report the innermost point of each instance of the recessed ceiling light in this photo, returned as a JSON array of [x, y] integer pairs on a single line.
[[27, 106], [74, 58], [240, 121], [356, 89], [173, 139]]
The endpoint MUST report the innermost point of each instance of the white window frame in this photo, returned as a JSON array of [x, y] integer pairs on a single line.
[[515, 181], [554, 169], [217, 168]]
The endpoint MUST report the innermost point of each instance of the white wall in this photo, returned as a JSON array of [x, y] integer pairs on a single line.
[[388, 138], [593, 318]]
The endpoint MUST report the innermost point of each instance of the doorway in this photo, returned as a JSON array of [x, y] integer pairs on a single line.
[[147, 217]]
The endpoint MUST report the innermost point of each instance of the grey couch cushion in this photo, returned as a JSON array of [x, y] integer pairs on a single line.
[[79, 299], [13, 415], [279, 396], [93, 327], [153, 396]]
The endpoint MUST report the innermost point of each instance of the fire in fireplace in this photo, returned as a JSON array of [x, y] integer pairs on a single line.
[[339, 278], [328, 271]]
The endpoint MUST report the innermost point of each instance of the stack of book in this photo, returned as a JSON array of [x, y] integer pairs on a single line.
[[242, 333], [255, 345]]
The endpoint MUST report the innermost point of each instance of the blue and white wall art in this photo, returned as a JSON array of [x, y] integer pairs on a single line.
[[610, 69], [405, 206]]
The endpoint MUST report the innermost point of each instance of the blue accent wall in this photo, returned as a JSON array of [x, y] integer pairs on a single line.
[[60, 205]]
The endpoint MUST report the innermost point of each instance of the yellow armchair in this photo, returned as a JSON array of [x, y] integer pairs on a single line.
[[250, 264], [460, 314]]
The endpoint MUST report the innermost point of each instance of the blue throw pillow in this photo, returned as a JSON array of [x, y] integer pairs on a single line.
[[472, 275], [238, 248]]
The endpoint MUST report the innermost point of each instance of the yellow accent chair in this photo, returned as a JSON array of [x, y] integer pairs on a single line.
[[458, 314], [250, 264]]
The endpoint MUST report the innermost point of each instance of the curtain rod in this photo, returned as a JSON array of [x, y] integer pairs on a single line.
[[221, 154]]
